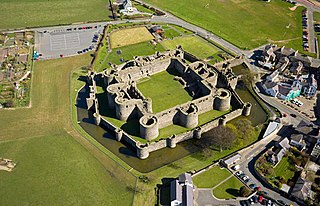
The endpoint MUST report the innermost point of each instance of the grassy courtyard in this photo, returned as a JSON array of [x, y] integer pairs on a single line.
[[211, 177], [247, 24], [194, 45], [164, 91], [34, 13], [228, 189], [53, 160]]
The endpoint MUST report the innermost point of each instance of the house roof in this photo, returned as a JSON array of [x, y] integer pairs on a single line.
[[175, 191], [305, 128], [284, 90], [270, 84], [284, 143], [232, 159], [296, 137], [301, 189], [185, 178]]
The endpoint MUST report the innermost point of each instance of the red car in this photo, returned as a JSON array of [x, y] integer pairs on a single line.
[[260, 198]]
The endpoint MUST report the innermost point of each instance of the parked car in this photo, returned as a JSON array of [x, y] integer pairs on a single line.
[[252, 186], [238, 173], [236, 167]]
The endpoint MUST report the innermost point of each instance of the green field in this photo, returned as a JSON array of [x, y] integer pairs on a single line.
[[211, 177], [228, 189], [127, 53], [34, 13], [164, 91], [56, 165], [192, 44], [284, 169], [247, 24]]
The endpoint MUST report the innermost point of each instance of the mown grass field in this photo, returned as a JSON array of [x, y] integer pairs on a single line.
[[284, 169], [127, 53], [164, 91], [228, 189], [54, 166], [192, 44], [34, 13], [129, 36], [247, 24], [211, 177]]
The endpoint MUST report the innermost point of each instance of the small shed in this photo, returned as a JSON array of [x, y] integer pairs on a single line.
[[231, 160]]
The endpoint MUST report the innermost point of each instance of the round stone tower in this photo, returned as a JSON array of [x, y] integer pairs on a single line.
[[142, 151], [118, 134], [246, 109], [222, 100], [149, 127], [189, 116], [197, 133], [112, 91], [223, 120], [124, 108], [97, 118], [171, 142]]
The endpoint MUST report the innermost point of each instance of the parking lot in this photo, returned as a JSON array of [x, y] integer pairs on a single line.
[[66, 41]]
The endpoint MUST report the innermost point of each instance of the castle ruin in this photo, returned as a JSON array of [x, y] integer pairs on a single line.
[[211, 88]]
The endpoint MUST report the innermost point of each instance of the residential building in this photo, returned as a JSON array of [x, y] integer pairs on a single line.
[[278, 151], [302, 190], [315, 154], [310, 87], [181, 191], [296, 140]]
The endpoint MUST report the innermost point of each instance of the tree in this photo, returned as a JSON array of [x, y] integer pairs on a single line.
[[244, 191], [221, 136], [243, 127]]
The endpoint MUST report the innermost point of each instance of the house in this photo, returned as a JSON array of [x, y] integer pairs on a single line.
[[310, 87], [273, 76], [128, 9], [296, 68], [296, 140], [181, 191], [302, 190], [315, 154], [156, 29], [271, 88], [278, 151]]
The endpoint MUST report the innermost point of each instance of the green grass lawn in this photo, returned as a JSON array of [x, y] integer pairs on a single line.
[[127, 53], [211, 177], [164, 91], [284, 169], [228, 189], [193, 44], [55, 164], [34, 13], [170, 32], [247, 24]]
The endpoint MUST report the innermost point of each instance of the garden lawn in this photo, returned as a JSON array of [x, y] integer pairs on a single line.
[[192, 44], [164, 91], [283, 169], [246, 24], [127, 53], [56, 165], [211, 177], [35, 13], [125, 37], [228, 189]]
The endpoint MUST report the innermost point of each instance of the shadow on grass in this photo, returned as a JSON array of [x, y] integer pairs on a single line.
[[233, 192]]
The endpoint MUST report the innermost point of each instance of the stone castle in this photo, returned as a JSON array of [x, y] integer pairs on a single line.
[[211, 88]]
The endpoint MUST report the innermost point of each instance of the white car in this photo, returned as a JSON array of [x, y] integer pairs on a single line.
[[239, 173]]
